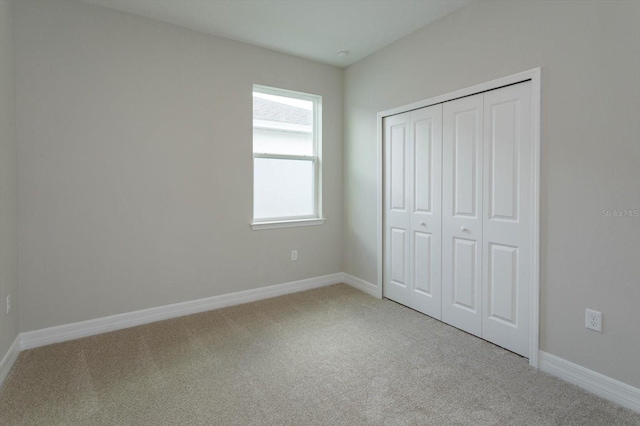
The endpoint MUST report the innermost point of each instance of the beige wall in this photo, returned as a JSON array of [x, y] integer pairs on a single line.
[[135, 165], [590, 58], [135, 160], [8, 185]]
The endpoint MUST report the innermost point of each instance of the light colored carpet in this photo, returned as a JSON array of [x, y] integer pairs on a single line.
[[328, 356]]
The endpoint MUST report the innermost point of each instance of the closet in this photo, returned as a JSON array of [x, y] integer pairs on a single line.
[[457, 213]]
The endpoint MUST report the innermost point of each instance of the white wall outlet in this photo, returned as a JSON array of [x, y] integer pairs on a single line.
[[294, 254], [8, 304], [593, 320]]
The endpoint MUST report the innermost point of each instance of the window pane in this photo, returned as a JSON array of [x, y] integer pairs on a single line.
[[282, 125], [282, 188]]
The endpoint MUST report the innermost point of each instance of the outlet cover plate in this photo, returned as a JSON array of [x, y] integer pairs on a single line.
[[593, 320]]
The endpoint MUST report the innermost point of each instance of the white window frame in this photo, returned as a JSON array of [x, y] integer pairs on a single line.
[[292, 221]]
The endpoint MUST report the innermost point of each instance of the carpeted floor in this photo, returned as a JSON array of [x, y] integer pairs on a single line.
[[322, 357]]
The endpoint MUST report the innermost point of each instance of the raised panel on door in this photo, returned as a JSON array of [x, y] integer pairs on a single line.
[[464, 283], [423, 252], [425, 205], [502, 284], [462, 213], [507, 217], [396, 275], [398, 255], [398, 167], [464, 164]]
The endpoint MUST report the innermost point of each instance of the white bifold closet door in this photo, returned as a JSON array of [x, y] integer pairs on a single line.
[[412, 228], [486, 215], [462, 214], [457, 215], [506, 247]]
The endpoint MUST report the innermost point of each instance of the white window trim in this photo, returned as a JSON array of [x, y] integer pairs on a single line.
[[282, 127], [317, 218], [289, 223]]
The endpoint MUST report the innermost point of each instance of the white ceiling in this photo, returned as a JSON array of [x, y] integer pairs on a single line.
[[313, 29]]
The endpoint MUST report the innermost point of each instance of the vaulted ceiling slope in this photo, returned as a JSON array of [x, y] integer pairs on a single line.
[[312, 29]]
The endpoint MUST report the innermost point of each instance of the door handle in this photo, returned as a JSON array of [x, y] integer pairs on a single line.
[[423, 224], [464, 229]]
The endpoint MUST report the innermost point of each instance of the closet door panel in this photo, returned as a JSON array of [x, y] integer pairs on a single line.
[[462, 213], [507, 217], [426, 232], [396, 275]]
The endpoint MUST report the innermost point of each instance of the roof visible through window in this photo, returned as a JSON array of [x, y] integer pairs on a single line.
[[283, 110]]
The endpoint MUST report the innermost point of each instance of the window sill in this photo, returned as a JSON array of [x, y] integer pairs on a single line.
[[256, 226]]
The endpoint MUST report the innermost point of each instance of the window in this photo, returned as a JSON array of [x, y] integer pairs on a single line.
[[286, 158]]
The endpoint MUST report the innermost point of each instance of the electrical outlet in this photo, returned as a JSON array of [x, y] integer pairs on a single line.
[[8, 304], [593, 320], [294, 254]]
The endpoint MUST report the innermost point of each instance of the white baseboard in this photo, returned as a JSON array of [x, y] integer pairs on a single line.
[[599, 384], [9, 359], [361, 284], [61, 333]]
